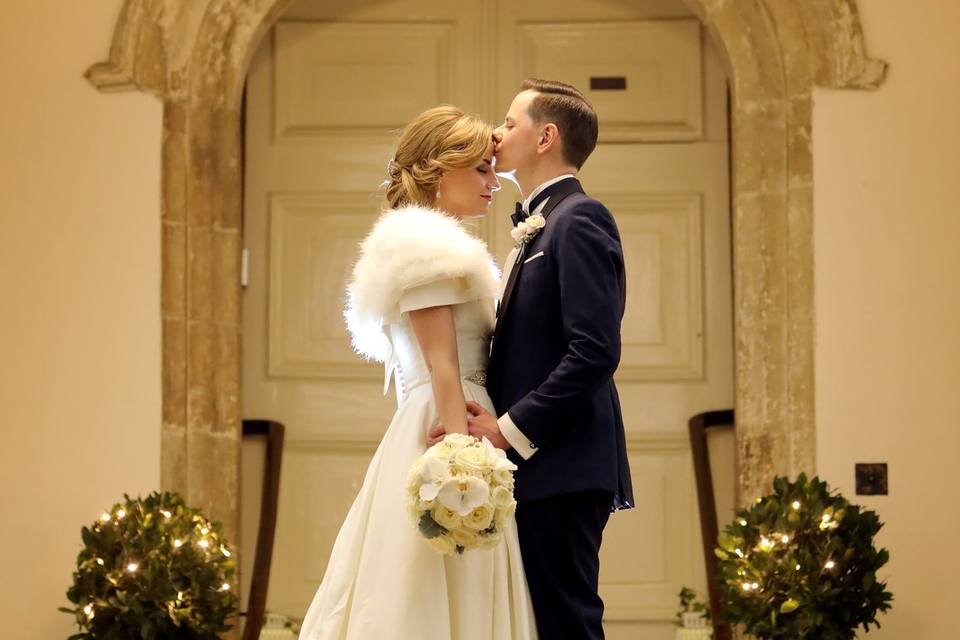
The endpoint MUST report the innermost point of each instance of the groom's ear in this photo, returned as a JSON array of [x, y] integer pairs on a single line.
[[549, 137]]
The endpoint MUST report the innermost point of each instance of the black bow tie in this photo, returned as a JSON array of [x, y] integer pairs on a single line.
[[519, 215]]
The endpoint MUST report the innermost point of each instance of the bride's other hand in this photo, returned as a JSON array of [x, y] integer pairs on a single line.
[[435, 434], [483, 424]]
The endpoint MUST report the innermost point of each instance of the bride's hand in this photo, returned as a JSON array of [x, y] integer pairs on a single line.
[[435, 434]]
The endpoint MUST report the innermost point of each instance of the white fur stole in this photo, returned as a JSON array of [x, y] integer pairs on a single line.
[[410, 247]]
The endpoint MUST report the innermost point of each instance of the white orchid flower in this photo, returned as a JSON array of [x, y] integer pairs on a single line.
[[498, 457], [492, 452], [463, 494], [434, 473]]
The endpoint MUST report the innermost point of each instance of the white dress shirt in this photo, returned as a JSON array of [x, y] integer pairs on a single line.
[[536, 192]]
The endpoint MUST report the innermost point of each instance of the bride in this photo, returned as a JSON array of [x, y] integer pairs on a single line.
[[421, 300]]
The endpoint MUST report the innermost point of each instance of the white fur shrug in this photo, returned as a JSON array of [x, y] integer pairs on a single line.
[[410, 247]]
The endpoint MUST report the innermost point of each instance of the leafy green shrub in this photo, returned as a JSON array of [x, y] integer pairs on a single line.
[[153, 569], [800, 564]]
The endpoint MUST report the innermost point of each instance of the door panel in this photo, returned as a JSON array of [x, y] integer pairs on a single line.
[[315, 61], [652, 69]]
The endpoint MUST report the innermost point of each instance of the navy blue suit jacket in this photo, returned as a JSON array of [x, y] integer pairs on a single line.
[[556, 347]]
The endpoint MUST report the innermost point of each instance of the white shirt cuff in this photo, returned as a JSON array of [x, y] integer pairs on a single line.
[[517, 440]]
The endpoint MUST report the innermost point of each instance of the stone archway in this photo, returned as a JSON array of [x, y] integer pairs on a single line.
[[194, 56]]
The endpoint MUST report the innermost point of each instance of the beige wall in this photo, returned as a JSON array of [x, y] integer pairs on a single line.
[[887, 172], [80, 325]]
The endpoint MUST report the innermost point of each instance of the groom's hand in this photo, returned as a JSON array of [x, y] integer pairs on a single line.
[[483, 424]]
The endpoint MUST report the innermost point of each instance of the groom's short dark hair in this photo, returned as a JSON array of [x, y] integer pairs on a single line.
[[566, 107]]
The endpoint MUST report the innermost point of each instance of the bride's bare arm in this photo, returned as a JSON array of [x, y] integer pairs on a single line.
[[437, 336]]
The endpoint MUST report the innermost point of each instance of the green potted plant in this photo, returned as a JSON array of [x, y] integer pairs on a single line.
[[693, 613], [152, 569], [800, 564], [693, 617]]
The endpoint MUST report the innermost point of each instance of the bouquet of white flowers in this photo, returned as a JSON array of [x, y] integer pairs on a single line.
[[460, 494]]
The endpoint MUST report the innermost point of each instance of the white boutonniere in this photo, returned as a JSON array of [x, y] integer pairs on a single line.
[[527, 229]]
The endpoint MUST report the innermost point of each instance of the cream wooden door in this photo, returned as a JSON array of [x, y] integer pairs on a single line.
[[328, 92]]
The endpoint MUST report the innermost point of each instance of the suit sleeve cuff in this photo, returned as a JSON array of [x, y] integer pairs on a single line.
[[520, 443]]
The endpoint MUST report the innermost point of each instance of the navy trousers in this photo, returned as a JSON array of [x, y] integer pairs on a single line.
[[560, 540]]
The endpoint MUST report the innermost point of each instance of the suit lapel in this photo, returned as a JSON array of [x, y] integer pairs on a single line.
[[557, 195]]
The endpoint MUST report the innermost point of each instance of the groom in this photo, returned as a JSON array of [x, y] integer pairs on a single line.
[[555, 348]]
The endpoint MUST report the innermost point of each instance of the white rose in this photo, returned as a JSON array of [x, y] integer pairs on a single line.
[[446, 448], [459, 440], [465, 538], [471, 457], [414, 478], [523, 228], [516, 234], [444, 544], [480, 518], [535, 222], [460, 471], [446, 518], [442, 451], [502, 497], [413, 491], [503, 477], [415, 470]]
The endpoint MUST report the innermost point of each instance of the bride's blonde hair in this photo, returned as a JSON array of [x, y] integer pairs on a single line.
[[438, 140]]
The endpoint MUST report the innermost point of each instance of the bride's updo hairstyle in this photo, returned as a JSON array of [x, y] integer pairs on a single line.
[[438, 140]]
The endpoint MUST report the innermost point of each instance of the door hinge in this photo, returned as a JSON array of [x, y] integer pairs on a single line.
[[244, 267]]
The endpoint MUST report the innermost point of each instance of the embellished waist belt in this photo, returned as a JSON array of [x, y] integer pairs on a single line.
[[477, 377]]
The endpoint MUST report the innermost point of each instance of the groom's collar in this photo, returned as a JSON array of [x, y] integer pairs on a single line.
[[540, 189]]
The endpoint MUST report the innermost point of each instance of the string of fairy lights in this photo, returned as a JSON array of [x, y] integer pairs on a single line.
[[773, 541], [204, 538], [801, 561]]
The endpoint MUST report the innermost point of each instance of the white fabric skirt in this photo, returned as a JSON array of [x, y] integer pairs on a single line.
[[383, 581]]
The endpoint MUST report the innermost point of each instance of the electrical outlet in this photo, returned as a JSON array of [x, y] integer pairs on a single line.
[[871, 478]]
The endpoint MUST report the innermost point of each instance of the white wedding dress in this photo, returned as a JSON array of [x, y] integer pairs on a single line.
[[383, 581]]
